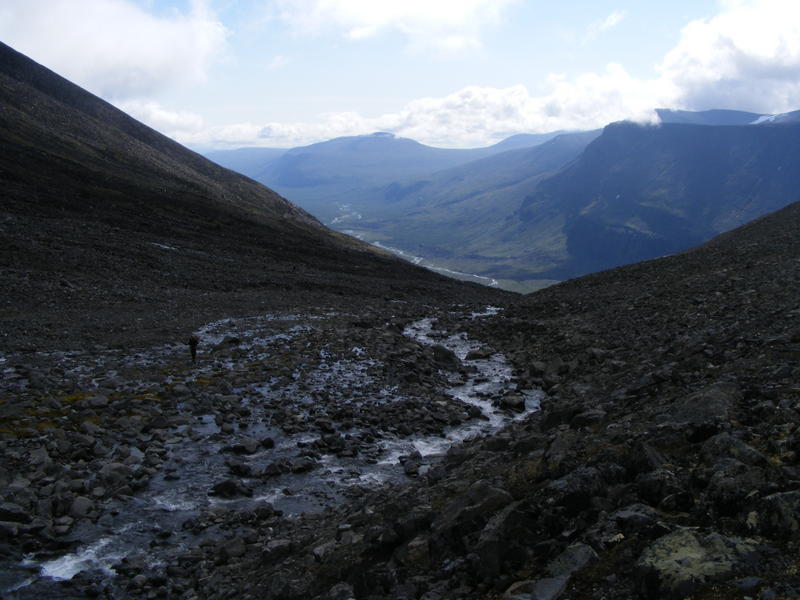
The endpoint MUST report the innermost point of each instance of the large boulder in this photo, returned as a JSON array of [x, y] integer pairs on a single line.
[[682, 562], [706, 412]]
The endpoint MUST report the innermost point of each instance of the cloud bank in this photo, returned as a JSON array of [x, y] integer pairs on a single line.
[[113, 47], [747, 57], [447, 25]]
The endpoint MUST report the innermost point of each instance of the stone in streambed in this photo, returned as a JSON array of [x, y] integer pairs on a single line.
[[480, 354], [301, 464], [515, 402], [230, 488], [245, 446]]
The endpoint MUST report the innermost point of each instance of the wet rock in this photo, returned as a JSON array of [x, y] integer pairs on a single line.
[[481, 353], [515, 402], [684, 561], [239, 467], [275, 469], [230, 488], [301, 464], [445, 358], [246, 446], [411, 464]]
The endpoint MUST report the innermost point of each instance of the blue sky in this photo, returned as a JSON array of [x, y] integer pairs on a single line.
[[457, 73]]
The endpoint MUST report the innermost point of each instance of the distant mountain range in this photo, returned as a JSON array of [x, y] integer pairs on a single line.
[[543, 208], [324, 176]]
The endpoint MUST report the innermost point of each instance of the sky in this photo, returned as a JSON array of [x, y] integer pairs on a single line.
[[216, 74]]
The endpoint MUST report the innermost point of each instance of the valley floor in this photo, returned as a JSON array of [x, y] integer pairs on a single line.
[[663, 462]]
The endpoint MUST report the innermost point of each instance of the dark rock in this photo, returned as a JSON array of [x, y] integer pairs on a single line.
[[116, 474], [14, 513], [81, 507], [731, 482], [588, 417], [724, 445], [445, 358], [779, 514], [575, 490], [482, 353], [246, 446], [707, 411], [515, 402], [301, 464], [230, 488], [478, 503], [572, 560], [233, 548], [340, 591]]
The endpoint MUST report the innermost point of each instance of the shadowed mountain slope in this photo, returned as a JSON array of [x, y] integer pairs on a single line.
[[456, 216], [124, 234], [638, 192], [324, 176]]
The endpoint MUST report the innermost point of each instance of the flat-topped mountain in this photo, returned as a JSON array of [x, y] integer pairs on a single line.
[[639, 192]]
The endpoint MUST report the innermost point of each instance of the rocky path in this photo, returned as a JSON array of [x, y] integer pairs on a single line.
[[119, 462]]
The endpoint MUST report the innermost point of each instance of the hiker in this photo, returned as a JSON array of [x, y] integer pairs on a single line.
[[193, 341]]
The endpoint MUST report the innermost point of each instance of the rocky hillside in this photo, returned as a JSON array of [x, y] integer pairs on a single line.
[[664, 463], [114, 234], [353, 427]]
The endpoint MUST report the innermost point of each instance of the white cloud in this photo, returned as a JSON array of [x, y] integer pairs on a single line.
[[174, 123], [449, 25], [113, 47], [747, 57], [598, 27], [471, 117], [278, 62]]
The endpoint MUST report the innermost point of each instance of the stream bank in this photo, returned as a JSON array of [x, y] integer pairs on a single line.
[[281, 416]]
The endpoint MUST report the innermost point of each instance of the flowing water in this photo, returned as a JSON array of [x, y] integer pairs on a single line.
[[196, 456]]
